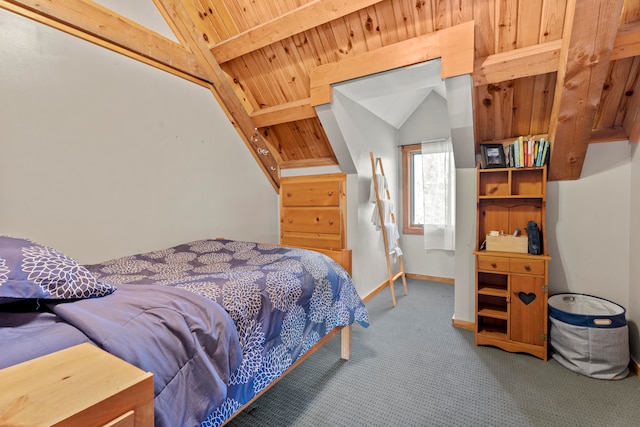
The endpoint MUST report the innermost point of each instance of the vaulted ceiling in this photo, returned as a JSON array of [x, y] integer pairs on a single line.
[[565, 69]]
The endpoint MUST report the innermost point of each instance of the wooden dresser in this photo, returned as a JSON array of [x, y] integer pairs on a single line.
[[78, 386], [313, 211]]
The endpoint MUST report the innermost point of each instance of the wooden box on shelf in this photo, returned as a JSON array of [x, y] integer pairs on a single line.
[[78, 386], [505, 243]]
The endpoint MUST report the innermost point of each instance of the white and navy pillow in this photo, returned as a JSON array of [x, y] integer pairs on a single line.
[[29, 270]]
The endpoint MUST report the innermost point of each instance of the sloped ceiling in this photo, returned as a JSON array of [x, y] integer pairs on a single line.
[[562, 68], [394, 95]]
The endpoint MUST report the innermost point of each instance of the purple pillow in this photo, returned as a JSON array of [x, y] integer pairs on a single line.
[[29, 270]]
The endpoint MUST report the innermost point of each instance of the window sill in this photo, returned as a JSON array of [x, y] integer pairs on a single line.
[[412, 230]]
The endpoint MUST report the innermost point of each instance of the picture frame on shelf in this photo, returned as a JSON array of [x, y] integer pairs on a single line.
[[492, 156]]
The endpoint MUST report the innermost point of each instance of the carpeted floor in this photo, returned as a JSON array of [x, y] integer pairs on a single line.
[[412, 368]]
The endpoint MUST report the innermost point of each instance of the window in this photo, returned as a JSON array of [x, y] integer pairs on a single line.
[[412, 190], [429, 192]]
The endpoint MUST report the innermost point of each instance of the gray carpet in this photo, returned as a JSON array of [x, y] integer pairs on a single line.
[[412, 368]]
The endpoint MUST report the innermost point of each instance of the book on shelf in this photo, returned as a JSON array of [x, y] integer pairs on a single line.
[[545, 154], [539, 153], [526, 152], [521, 155]]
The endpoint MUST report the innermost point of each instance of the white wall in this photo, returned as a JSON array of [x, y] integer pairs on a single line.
[[465, 263], [633, 313], [593, 234], [588, 226], [429, 121], [103, 156], [144, 13], [377, 136]]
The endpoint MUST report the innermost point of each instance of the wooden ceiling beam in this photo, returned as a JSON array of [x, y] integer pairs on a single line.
[[543, 58], [104, 27], [453, 44], [304, 18], [608, 135], [99, 25], [627, 42], [284, 113], [589, 35], [514, 64], [221, 88]]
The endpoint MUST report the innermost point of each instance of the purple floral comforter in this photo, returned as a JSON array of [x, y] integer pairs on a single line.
[[282, 301]]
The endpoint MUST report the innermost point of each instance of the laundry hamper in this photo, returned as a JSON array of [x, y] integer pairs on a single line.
[[589, 335]]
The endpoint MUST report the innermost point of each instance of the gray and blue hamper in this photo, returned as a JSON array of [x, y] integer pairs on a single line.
[[589, 335]]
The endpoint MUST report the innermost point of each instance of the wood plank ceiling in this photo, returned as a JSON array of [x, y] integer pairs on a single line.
[[562, 68]]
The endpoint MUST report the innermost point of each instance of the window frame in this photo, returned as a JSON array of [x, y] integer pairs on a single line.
[[407, 189]]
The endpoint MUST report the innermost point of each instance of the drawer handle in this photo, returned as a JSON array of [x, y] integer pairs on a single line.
[[494, 265], [330, 222], [290, 220], [330, 193], [527, 267], [288, 194], [317, 219]]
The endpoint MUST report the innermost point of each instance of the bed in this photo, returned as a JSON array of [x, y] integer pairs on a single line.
[[216, 321]]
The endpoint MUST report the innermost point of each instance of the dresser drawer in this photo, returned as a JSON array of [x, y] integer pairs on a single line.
[[311, 220], [489, 263], [526, 266], [311, 240], [320, 193]]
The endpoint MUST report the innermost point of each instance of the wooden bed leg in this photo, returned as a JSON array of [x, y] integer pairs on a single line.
[[345, 342]]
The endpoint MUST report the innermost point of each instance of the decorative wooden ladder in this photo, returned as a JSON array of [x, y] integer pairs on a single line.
[[375, 162]]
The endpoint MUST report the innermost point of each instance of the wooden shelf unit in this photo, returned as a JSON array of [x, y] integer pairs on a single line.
[[511, 288]]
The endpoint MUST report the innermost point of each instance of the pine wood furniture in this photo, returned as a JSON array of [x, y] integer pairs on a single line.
[[511, 287], [77, 386], [313, 211]]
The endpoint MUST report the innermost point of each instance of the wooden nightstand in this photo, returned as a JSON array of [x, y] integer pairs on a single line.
[[79, 386]]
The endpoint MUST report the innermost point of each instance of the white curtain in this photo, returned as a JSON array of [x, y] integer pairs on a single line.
[[439, 181]]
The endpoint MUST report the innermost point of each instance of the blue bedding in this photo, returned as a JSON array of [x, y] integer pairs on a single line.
[[188, 342], [30, 334], [281, 300], [215, 321]]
